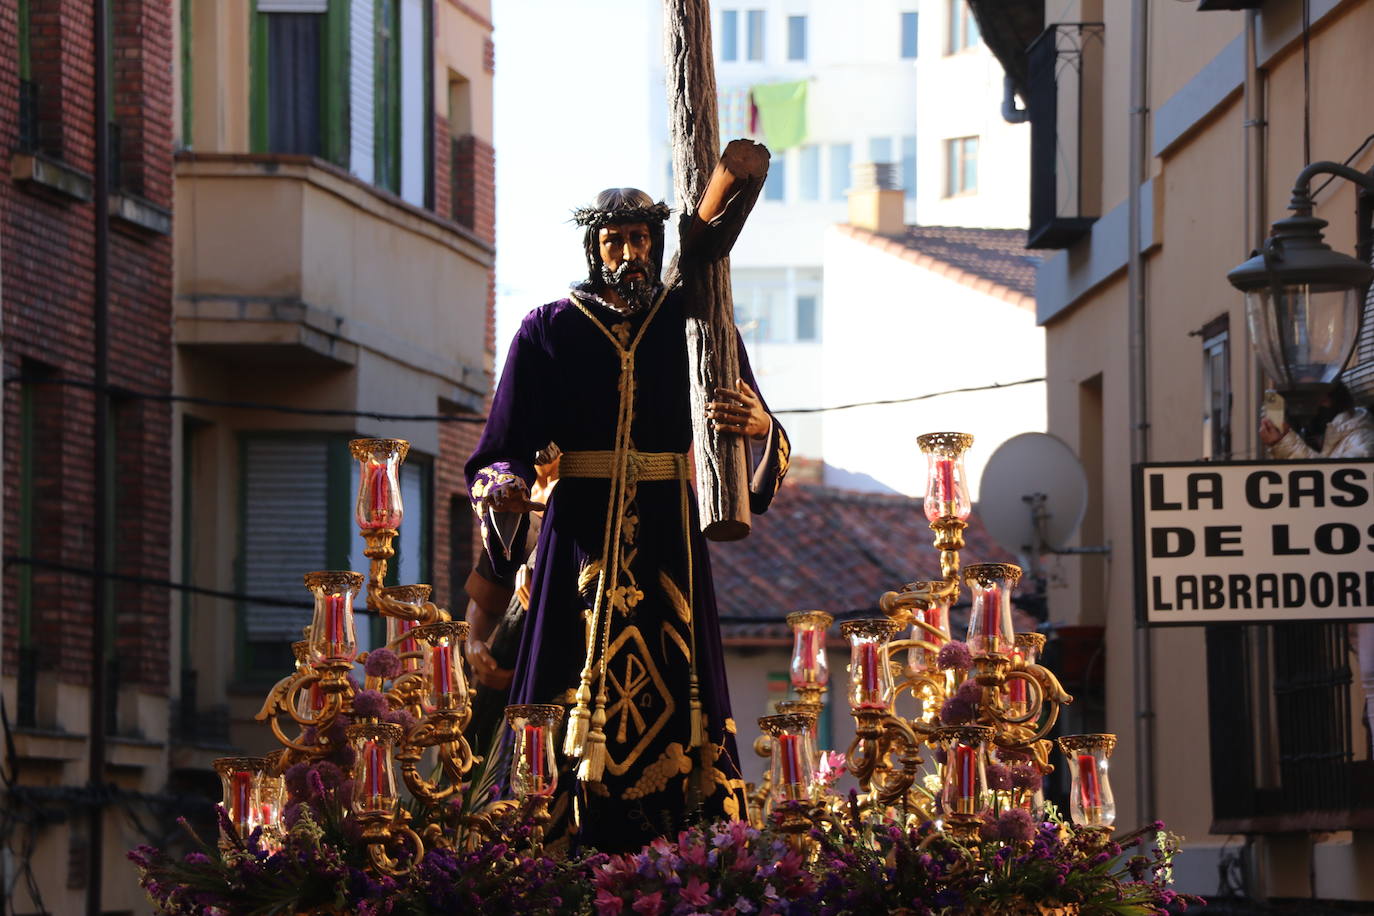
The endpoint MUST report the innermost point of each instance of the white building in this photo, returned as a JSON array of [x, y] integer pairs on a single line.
[[905, 82]]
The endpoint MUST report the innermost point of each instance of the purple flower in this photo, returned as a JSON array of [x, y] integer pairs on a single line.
[[1015, 826], [295, 776], [401, 717], [197, 858], [954, 654], [999, 776], [382, 663], [956, 711], [1025, 776], [970, 691], [369, 704]]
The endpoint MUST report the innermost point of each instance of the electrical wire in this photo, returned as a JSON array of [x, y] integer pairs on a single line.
[[1348, 159], [133, 394], [88, 572]]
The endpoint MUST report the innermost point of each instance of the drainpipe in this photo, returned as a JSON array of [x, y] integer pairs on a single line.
[[1139, 387], [1256, 228], [1256, 219], [1010, 112]]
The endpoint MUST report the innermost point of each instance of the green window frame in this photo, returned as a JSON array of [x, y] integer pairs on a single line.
[[25, 42], [333, 66], [387, 94]]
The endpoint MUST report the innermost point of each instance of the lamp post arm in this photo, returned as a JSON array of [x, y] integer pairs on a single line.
[[1302, 194]]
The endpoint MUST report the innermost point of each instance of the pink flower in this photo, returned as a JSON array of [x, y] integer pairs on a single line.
[[651, 905], [697, 892], [831, 768], [608, 904]]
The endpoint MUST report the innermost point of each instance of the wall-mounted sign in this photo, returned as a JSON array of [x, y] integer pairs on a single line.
[[1254, 542]]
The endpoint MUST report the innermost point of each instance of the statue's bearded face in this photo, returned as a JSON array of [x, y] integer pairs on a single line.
[[627, 261]]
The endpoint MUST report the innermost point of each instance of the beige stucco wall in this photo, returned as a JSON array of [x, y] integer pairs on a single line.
[[1199, 208], [460, 50]]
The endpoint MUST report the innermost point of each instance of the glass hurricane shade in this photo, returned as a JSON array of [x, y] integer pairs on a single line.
[[374, 778], [947, 492], [1090, 792], [241, 782], [533, 765], [332, 633], [379, 486], [792, 755], [870, 676], [809, 667], [990, 629], [964, 787]]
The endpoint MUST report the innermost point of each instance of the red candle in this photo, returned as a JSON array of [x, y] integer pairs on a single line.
[[965, 776], [869, 680], [808, 653], [944, 470], [791, 759], [379, 511], [317, 698], [240, 801], [1016, 687], [374, 775], [1088, 789], [441, 673], [335, 630], [534, 756]]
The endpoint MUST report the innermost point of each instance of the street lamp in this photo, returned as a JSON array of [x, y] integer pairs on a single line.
[[1304, 301]]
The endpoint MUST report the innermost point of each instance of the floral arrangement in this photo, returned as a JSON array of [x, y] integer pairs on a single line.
[[1016, 866]]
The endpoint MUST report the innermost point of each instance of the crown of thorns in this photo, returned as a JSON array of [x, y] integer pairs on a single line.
[[596, 217]]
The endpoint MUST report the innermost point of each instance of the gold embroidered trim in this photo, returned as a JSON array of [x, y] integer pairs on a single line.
[[677, 639], [623, 710], [673, 762], [675, 597], [730, 726]]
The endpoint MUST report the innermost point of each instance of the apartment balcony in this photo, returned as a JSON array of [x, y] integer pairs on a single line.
[[288, 260]]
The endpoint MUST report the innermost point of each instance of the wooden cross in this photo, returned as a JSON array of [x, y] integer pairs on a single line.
[[724, 188]]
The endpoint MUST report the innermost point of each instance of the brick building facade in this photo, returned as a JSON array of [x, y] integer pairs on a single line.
[[47, 259], [47, 283]]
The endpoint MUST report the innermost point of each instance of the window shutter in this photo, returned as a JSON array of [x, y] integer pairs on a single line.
[[413, 105], [285, 525], [362, 83]]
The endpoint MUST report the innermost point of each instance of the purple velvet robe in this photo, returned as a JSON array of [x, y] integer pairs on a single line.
[[560, 384]]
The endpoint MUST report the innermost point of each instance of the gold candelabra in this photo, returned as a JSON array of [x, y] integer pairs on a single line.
[[982, 708], [411, 707]]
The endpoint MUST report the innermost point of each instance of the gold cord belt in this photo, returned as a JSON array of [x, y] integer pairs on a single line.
[[643, 466]]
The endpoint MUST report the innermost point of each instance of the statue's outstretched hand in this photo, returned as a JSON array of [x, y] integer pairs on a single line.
[[512, 496], [738, 410]]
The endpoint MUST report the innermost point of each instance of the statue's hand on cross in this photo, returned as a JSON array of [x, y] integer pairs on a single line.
[[738, 410]]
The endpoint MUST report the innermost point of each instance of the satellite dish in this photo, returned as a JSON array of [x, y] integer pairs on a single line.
[[1033, 495]]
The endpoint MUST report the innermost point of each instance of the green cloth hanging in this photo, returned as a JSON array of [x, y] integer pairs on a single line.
[[782, 114]]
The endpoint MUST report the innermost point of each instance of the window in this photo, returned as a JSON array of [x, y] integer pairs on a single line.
[[909, 167], [879, 149], [187, 85], [840, 155], [810, 184], [755, 35], [963, 28], [729, 35], [775, 185], [796, 38], [387, 95], [294, 109], [1216, 389], [460, 558], [806, 318], [909, 36], [761, 304], [961, 166]]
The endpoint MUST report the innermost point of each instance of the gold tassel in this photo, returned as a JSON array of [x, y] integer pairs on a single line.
[[698, 718], [576, 736], [593, 763]]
